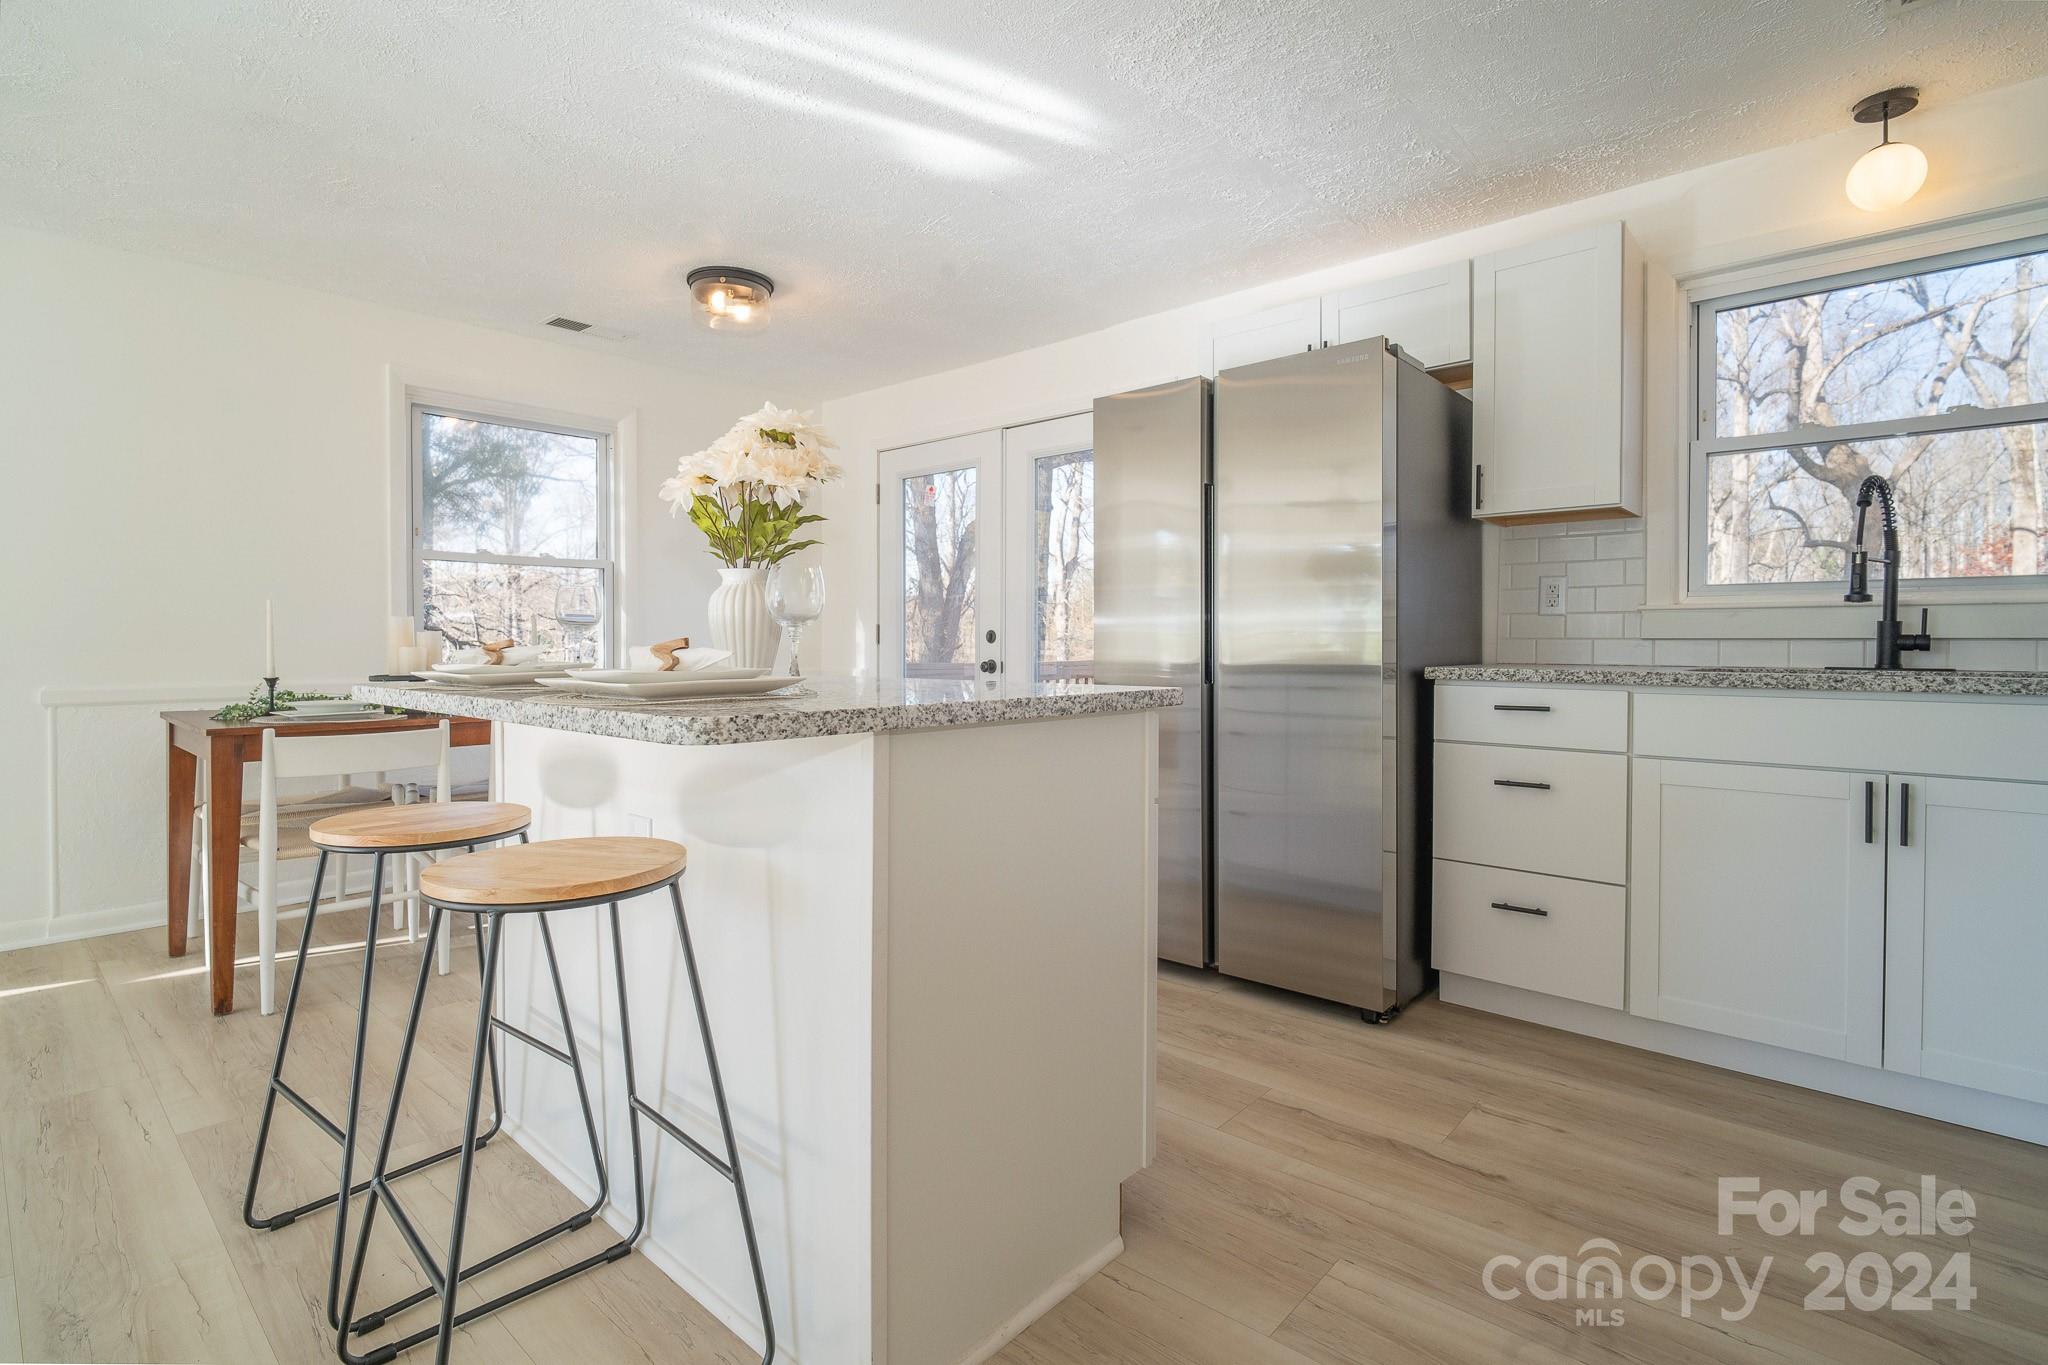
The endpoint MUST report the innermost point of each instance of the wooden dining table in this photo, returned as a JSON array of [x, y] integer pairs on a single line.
[[195, 737]]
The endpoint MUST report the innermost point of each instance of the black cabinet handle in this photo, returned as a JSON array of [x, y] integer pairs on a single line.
[[1503, 706], [1530, 786], [1521, 909], [1905, 811], [1869, 812]]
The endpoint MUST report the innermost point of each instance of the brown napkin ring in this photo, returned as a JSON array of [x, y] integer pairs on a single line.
[[494, 650], [666, 652]]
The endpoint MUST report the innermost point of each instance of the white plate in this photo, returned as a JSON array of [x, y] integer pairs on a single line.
[[653, 675], [497, 677], [356, 711], [523, 666], [673, 690], [341, 706]]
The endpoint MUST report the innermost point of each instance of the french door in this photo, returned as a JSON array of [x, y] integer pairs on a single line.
[[988, 554]]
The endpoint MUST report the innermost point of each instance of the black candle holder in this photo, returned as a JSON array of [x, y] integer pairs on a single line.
[[270, 702]]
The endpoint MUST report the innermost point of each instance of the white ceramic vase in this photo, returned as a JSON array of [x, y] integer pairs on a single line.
[[740, 620]]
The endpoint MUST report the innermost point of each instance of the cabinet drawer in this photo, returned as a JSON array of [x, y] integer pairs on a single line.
[[1538, 810], [1548, 717], [1574, 947]]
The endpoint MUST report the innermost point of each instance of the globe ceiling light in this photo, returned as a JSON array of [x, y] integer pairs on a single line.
[[1890, 173]]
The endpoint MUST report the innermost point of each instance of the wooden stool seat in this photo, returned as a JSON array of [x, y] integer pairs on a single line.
[[427, 824], [555, 871]]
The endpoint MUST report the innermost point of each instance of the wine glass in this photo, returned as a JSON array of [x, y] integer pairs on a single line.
[[796, 597], [576, 608]]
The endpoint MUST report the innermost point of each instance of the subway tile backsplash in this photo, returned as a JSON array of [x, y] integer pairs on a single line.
[[1604, 567]]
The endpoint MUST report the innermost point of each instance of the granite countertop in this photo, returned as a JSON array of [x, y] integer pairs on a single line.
[[826, 705], [1918, 681]]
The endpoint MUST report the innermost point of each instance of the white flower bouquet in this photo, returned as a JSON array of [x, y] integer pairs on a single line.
[[746, 490]]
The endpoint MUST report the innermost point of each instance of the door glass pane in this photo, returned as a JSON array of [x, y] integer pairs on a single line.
[[494, 489], [940, 512], [1063, 568], [559, 608]]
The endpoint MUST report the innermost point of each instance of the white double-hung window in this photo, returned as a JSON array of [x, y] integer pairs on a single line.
[[1933, 373], [511, 537]]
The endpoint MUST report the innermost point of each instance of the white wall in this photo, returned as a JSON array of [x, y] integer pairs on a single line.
[[1985, 153], [182, 443]]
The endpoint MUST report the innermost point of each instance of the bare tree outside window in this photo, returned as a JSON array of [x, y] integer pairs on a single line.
[[511, 542], [1931, 378], [939, 531], [1063, 501]]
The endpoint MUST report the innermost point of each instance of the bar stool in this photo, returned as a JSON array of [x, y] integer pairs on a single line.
[[383, 832], [558, 874]]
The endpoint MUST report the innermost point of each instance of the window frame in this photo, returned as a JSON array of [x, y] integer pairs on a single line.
[[1704, 300], [419, 552]]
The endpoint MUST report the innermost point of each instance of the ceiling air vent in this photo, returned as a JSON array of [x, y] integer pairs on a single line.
[[568, 324]]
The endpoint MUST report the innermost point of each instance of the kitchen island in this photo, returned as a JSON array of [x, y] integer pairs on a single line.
[[925, 914]]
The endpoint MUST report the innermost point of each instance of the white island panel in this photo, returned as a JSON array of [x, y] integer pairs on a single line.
[[781, 840], [1019, 946], [926, 938]]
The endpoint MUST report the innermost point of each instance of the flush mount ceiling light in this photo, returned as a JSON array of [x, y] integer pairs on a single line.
[[731, 296], [1890, 173]]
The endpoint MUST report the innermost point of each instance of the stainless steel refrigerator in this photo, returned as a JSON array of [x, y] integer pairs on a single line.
[[1340, 561], [1151, 619]]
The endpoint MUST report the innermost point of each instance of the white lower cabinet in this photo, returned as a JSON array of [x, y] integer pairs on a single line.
[[1733, 872], [1758, 900], [1966, 959], [1550, 934]]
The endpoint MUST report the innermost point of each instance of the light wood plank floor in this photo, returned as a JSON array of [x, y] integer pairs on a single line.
[[1325, 1191], [127, 1116]]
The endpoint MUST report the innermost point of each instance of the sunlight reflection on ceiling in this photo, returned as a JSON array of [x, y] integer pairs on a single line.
[[931, 148], [858, 63]]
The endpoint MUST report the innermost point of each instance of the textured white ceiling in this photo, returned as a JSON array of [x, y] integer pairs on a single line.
[[930, 183]]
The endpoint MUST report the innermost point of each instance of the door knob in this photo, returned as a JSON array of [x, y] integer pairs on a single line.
[[988, 665]]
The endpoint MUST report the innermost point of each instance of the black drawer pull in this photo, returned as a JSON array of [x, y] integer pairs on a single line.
[[1503, 706], [1521, 909], [1529, 786]]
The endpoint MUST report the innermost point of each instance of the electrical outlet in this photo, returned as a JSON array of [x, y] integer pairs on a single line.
[[639, 826], [1550, 595]]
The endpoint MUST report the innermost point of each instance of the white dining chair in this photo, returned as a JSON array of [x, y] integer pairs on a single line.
[[295, 813], [281, 821]]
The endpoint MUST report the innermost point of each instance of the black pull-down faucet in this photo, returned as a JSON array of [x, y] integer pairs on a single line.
[[1892, 638]]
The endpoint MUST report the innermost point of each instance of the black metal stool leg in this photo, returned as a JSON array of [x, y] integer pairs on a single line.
[[379, 1189], [451, 1276], [355, 1092], [604, 1180], [445, 1280], [320, 1120], [270, 1092], [369, 1322], [632, 1086], [732, 1151]]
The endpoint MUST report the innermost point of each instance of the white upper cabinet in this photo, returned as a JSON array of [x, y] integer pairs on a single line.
[[1287, 330], [1966, 941], [1427, 314], [1557, 378]]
